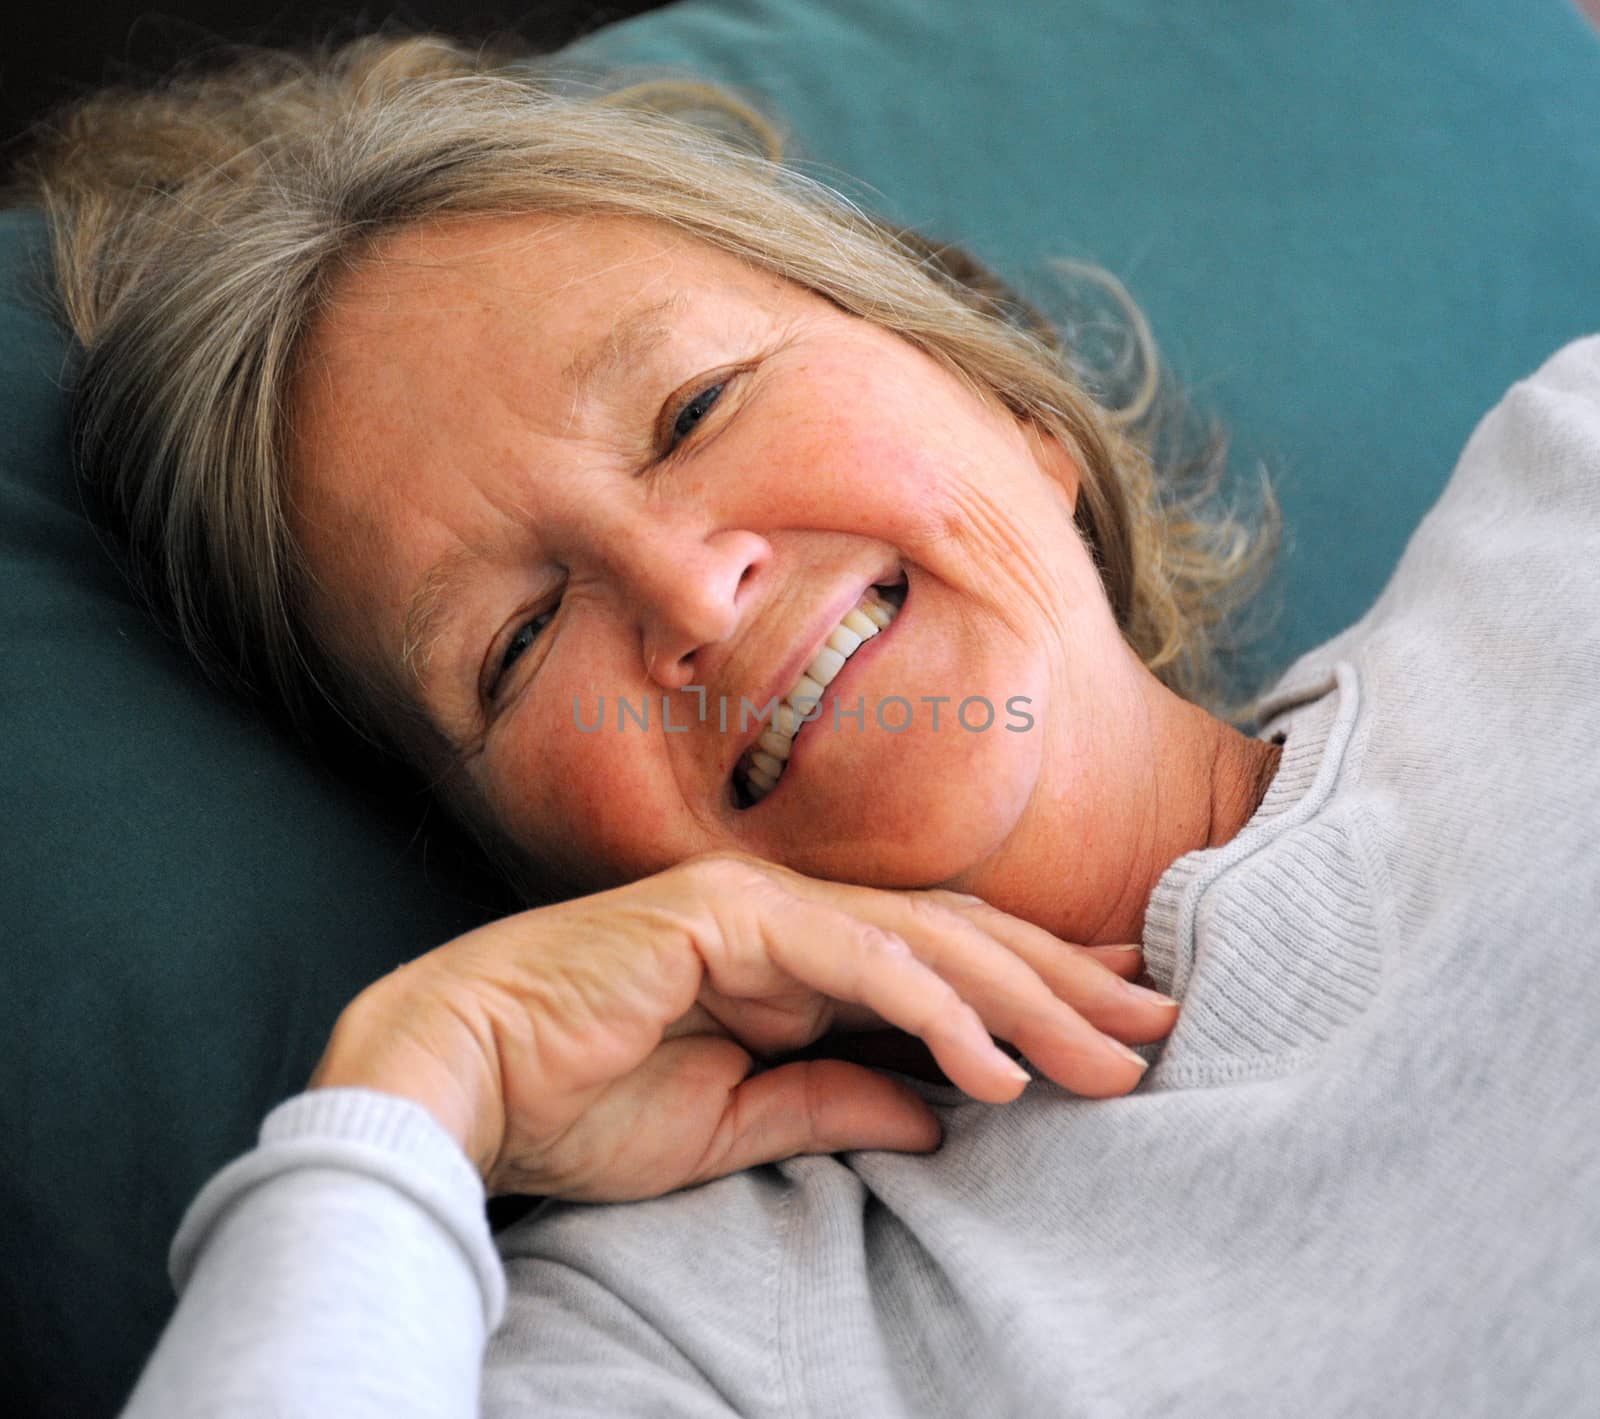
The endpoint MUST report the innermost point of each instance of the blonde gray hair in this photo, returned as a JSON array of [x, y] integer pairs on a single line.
[[199, 226]]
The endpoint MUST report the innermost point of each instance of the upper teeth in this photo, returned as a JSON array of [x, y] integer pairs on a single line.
[[761, 767]]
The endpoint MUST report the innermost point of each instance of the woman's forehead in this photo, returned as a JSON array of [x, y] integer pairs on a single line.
[[528, 312], [558, 264], [523, 315]]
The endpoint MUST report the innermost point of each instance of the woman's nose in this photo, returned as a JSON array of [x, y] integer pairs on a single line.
[[695, 592]]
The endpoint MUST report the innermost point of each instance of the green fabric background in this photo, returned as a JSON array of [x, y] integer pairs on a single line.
[[185, 904], [1351, 226]]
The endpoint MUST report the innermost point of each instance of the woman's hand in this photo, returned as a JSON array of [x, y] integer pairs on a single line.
[[602, 1049]]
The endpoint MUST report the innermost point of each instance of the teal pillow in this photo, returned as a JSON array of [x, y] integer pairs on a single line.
[[1351, 226], [186, 902]]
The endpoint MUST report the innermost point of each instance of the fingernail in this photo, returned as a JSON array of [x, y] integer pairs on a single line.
[[1110, 950], [1121, 1048], [1016, 1071], [1140, 992]]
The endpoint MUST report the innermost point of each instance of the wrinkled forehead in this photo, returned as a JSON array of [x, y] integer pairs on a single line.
[[556, 271], [484, 301], [485, 261], [436, 292]]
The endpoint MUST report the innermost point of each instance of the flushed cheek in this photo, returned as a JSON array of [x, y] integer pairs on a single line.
[[597, 799], [872, 471], [962, 511], [882, 442]]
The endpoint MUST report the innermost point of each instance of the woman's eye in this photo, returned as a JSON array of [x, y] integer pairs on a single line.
[[695, 410], [525, 635]]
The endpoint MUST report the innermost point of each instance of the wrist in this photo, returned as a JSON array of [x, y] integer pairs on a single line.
[[440, 1071]]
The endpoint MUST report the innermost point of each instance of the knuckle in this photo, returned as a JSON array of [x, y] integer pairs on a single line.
[[881, 941], [724, 870], [962, 904], [926, 910]]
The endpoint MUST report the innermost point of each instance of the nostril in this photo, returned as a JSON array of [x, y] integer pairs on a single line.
[[893, 589], [673, 671]]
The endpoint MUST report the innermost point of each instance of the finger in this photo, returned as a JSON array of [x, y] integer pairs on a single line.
[[1017, 1004], [817, 1106], [851, 944], [1125, 961], [1001, 994], [1014, 1001], [1095, 981], [845, 958]]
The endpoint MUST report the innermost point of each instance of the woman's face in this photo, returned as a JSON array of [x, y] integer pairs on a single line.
[[571, 471]]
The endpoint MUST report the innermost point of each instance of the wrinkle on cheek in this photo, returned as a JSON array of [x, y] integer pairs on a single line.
[[1007, 554], [691, 793]]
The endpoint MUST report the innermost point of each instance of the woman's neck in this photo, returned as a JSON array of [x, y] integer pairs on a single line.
[[1243, 771], [1084, 867]]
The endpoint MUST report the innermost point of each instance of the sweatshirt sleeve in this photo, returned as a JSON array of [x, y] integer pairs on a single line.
[[344, 1266]]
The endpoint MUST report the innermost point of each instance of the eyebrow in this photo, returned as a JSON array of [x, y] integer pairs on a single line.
[[432, 606], [430, 610], [634, 335]]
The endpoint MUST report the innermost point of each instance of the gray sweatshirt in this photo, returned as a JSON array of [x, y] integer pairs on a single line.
[[1361, 1178]]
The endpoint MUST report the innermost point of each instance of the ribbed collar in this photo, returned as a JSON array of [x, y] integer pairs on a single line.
[[1238, 1023], [1314, 707]]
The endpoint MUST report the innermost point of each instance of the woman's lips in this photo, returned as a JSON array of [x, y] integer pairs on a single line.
[[893, 593]]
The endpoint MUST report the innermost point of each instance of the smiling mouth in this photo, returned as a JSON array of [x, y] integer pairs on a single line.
[[762, 765]]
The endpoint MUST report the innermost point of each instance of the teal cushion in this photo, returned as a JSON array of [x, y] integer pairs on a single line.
[[1352, 226], [185, 904]]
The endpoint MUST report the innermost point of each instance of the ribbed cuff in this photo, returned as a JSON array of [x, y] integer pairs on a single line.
[[380, 1136]]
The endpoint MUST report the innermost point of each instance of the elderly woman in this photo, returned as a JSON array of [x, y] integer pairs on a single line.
[[762, 574]]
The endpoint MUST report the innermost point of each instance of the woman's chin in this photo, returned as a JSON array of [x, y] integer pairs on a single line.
[[905, 835]]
